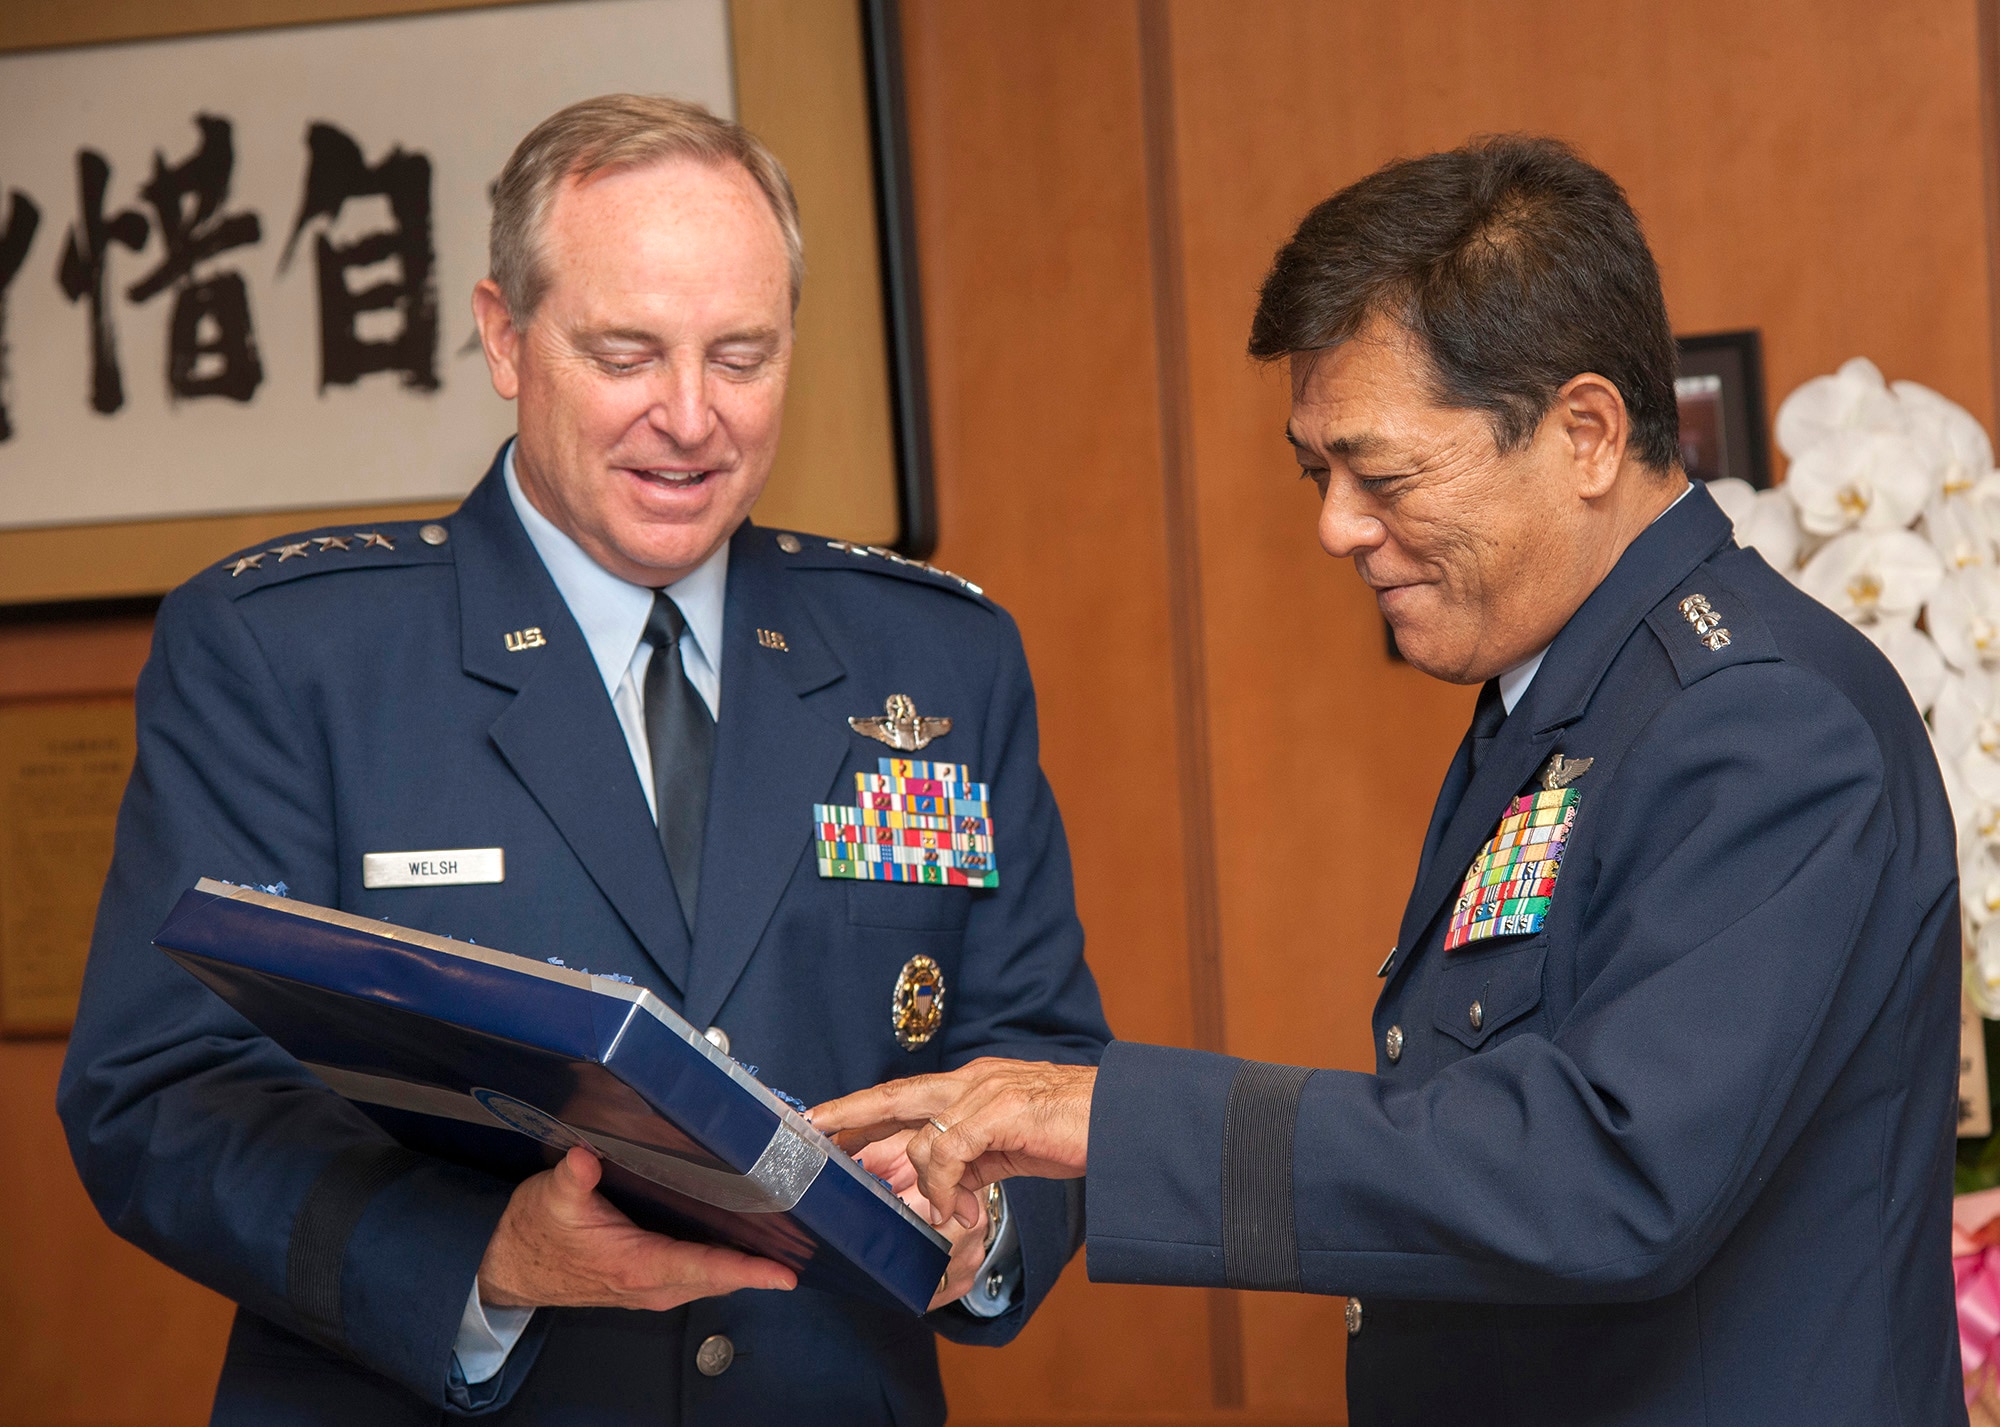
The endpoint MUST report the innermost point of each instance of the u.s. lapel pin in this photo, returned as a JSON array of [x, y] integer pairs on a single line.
[[1560, 772], [902, 727]]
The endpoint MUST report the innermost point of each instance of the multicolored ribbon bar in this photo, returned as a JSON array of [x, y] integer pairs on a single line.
[[956, 774], [914, 821], [920, 787], [923, 803], [964, 861], [1508, 887], [860, 871], [890, 817]]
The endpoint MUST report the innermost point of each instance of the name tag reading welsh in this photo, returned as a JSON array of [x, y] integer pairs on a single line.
[[448, 867]]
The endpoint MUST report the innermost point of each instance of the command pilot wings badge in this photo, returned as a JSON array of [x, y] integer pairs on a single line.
[[902, 727], [1561, 772]]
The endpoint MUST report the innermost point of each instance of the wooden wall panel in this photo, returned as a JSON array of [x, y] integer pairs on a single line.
[[92, 1331], [1030, 193]]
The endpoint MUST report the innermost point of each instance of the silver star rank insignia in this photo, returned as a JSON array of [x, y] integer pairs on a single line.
[[248, 562], [374, 537], [331, 542], [903, 728], [291, 552]]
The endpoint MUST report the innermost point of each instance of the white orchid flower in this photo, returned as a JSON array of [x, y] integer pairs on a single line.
[[1738, 498], [1765, 521], [1864, 480], [1961, 529], [1986, 953], [1916, 659], [1979, 880], [1965, 715], [1987, 968], [1953, 435], [1870, 577], [1963, 616], [1854, 399], [1773, 532], [1966, 810]]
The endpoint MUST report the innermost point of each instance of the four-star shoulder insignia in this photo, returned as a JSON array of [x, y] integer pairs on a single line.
[[882, 553], [308, 545]]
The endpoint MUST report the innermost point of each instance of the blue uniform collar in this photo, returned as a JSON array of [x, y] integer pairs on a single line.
[[558, 733], [612, 612], [1664, 555], [1514, 682]]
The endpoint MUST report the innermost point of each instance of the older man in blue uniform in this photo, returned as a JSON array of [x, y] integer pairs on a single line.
[[595, 715], [1661, 1124]]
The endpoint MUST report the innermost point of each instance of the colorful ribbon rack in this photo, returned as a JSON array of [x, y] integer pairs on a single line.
[[1509, 885], [912, 821]]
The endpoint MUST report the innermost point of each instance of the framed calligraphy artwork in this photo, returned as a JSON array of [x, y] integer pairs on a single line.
[[235, 270]]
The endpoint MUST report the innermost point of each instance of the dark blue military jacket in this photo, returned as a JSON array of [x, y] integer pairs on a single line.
[[368, 698], [1689, 1160]]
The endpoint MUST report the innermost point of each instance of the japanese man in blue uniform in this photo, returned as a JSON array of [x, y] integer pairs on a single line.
[[1661, 1124], [611, 704]]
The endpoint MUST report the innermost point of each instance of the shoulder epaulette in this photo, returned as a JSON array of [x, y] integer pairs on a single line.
[[817, 552], [1705, 626], [330, 549]]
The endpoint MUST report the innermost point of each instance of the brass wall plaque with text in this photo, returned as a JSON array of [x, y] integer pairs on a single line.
[[63, 766]]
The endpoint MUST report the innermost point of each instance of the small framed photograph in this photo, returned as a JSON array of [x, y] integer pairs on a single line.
[[1721, 394]]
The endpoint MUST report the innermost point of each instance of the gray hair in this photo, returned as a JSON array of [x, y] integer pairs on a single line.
[[610, 132]]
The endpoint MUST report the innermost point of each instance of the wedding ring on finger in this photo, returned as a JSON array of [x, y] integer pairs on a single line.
[[940, 1126]]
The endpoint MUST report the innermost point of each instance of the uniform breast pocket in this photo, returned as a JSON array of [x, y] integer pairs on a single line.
[[1488, 998], [907, 906]]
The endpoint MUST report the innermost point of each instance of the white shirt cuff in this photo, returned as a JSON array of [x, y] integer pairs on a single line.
[[486, 1336]]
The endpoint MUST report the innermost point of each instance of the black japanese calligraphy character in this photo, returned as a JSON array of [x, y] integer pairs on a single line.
[[337, 172], [84, 258], [19, 231], [211, 349]]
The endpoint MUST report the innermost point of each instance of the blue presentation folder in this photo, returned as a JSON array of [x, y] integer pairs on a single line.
[[502, 1063]]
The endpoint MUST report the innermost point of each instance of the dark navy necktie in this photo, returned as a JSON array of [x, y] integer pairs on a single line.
[[680, 734], [1487, 716]]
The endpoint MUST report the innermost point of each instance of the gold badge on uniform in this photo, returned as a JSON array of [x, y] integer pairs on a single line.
[[902, 727], [916, 1010]]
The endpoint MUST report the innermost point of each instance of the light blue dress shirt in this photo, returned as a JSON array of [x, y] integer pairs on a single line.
[[612, 614]]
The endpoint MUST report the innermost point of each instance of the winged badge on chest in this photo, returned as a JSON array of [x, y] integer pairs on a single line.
[[901, 727]]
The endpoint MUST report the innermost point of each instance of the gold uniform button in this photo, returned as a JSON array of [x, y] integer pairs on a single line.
[[717, 1037], [1353, 1317], [713, 1357], [789, 543], [1477, 1015], [433, 535], [1393, 1044]]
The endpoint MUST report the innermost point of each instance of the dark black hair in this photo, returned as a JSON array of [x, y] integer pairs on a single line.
[[1514, 263]]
